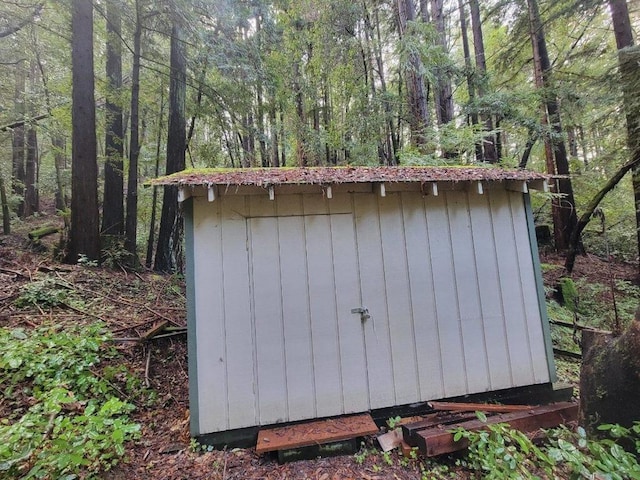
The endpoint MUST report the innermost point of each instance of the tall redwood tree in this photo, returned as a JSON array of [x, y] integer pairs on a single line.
[[628, 60], [112, 206], [167, 252], [84, 235]]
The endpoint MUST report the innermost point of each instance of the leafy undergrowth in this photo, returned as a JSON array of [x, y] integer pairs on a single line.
[[500, 452], [64, 418]]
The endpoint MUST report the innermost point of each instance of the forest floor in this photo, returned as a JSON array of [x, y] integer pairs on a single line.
[[129, 303]]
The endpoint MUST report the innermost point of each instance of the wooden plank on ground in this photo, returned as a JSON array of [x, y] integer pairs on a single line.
[[315, 433], [437, 441], [478, 407]]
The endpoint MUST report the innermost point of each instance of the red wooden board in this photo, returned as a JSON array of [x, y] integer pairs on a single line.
[[315, 433]]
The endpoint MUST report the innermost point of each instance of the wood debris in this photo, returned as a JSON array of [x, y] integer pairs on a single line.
[[434, 436]]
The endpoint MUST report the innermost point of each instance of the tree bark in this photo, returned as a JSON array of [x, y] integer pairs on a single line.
[[18, 139], [419, 119], [31, 198], [610, 378], [60, 160], [564, 209], [57, 139], [471, 88], [131, 222], [168, 250], [443, 93], [373, 40], [6, 214], [84, 235], [489, 153], [154, 201], [629, 66], [112, 206]]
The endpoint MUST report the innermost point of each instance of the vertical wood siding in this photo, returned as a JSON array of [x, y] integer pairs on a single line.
[[448, 282]]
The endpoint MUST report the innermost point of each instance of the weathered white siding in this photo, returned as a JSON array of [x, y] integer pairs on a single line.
[[448, 281]]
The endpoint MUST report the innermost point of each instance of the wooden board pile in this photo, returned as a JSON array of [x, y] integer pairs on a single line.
[[434, 434]]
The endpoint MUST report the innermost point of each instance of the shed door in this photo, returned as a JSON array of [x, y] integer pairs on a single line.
[[309, 350]]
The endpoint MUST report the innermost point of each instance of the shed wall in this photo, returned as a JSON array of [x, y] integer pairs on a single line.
[[448, 281]]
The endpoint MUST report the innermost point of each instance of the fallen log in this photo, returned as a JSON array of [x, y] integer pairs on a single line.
[[41, 232]]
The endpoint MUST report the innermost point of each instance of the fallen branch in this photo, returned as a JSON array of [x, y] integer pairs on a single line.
[[50, 425], [567, 353], [146, 340], [20, 123], [155, 330], [146, 369], [88, 314], [13, 272], [572, 326], [126, 302]]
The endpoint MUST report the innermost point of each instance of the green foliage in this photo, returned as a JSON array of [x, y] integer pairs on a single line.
[[500, 452], [393, 422], [594, 305], [46, 293], [596, 458], [113, 253], [85, 261], [75, 426], [569, 294]]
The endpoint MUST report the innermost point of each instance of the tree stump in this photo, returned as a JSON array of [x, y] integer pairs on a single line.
[[610, 377]]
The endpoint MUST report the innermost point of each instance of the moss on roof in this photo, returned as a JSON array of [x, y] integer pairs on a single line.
[[348, 174]]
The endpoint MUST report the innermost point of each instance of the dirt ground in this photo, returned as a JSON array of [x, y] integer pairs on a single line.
[[130, 303]]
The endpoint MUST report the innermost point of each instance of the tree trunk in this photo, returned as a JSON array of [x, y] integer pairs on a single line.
[[60, 160], [301, 143], [610, 378], [574, 240], [168, 250], [31, 200], [628, 60], [6, 214], [57, 140], [443, 93], [564, 210], [489, 153], [84, 235], [373, 38], [131, 222], [471, 88], [112, 207], [31, 197], [18, 139], [419, 119], [275, 154], [154, 201]]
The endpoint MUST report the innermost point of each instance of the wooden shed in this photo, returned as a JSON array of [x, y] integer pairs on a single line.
[[317, 292]]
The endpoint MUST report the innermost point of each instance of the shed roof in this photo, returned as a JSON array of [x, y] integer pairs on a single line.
[[338, 175]]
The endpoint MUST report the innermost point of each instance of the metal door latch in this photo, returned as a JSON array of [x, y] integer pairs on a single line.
[[363, 312]]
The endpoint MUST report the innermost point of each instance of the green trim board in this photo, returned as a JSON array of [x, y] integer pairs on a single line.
[[546, 329], [192, 347]]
